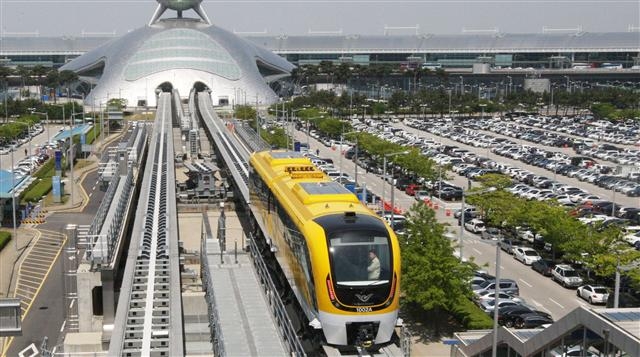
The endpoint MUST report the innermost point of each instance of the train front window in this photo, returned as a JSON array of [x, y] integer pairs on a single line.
[[360, 257]]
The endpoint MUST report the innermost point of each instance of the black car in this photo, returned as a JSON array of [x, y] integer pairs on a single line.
[[543, 266], [532, 320], [509, 315], [450, 193]]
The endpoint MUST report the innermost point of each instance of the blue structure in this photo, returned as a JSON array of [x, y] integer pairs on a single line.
[[6, 183], [76, 130]]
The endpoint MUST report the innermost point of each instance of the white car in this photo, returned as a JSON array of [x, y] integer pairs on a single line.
[[594, 294], [633, 239], [475, 225], [526, 255]]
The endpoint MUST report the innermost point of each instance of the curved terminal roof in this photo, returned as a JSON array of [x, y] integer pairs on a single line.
[[181, 52]]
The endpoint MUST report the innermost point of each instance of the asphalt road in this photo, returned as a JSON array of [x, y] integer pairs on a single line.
[[536, 289], [47, 314]]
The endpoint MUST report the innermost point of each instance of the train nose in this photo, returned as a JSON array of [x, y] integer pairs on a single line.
[[362, 334]]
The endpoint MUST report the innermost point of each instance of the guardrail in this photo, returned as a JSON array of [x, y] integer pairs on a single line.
[[287, 332], [217, 339]]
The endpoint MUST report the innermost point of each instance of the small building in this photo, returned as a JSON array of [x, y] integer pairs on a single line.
[[200, 180]]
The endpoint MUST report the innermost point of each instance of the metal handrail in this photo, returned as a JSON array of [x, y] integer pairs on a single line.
[[287, 331], [217, 339]]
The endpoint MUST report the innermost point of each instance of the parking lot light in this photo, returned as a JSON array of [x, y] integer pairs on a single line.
[[384, 182]]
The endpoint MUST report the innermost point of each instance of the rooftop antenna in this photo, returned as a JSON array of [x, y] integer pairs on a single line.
[[576, 30], [263, 32], [35, 33], [493, 30], [336, 32], [179, 6], [84, 33], [416, 28]]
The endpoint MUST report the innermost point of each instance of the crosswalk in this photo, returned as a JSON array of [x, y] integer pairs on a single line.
[[36, 265]]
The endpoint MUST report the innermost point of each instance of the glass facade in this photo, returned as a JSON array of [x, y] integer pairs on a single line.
[[181, 49]]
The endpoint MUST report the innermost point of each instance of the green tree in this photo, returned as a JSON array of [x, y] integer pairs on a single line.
[[245, 112], [67, 78], [433, 278]]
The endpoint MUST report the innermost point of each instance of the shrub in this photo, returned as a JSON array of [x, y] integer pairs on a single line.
[[46, 170], [37, 189], [471, 316], [5, 238]]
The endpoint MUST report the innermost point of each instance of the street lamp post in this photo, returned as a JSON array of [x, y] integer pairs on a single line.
[[384, 182], [341, 146], [494, 349], [482, 110]]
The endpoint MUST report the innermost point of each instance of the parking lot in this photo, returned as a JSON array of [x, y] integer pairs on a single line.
[[539, 291]]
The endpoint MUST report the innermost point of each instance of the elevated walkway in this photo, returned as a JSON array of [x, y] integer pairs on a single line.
[[242, 324]]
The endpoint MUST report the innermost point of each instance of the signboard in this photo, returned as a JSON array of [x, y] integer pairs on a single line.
[[56, 189], [58, 160]]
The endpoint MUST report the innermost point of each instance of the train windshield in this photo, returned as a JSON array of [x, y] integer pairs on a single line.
[[360, 257]]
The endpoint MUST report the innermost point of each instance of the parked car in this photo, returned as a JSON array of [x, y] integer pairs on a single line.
[[508, 286], [490, 233], [543, 266], [594, 294], [421, 195], [491, 295], [489, 305], [508, 245], [526, 255], [475, 225], [532, 320], [508, 315], [566, 276]]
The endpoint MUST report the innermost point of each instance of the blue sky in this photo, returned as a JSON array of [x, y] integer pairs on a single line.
[[74, 17]]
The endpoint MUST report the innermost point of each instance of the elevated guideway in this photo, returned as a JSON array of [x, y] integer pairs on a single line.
[[233, 153], [148, 317], [226, 271]]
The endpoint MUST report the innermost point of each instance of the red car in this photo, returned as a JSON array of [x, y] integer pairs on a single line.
[[412, 188]]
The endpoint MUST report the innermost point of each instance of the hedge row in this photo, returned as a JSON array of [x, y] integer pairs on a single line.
[[42, 183], [471, 316], [37, 189], [5, 238]]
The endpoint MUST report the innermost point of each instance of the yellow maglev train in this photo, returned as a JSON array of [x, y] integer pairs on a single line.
[[341, 260]]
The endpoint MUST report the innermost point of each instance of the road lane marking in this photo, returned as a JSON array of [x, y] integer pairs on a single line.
[[535, 302], [63, 323], [557, 303], [525, 283], [477, 251]]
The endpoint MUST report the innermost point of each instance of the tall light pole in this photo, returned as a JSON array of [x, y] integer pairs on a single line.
[[341, 146], [384, 182], [494, 349], [482, 105]]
